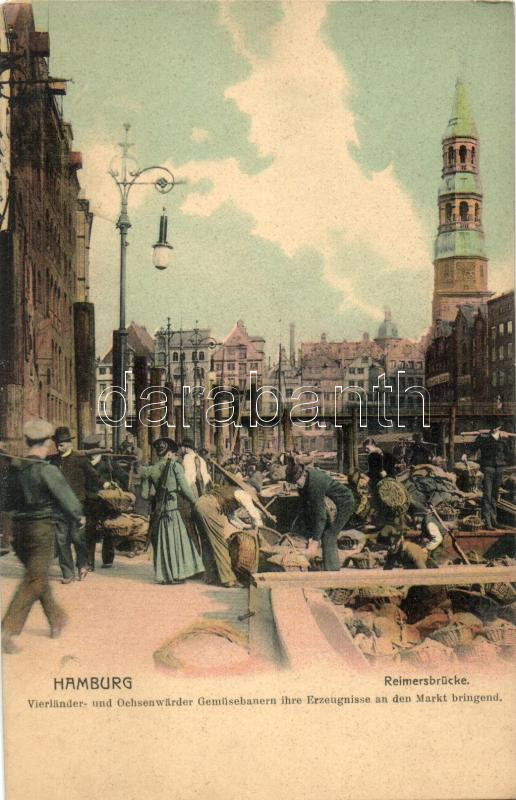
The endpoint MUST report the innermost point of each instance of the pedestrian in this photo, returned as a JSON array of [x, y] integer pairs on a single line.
[[85, 482], [492, 448], [38, 493], [108, 472], [175, 554], [314, 486], [195, 468], [212, 512]]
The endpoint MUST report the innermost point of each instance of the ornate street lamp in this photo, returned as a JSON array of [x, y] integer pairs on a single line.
[[125, 178]]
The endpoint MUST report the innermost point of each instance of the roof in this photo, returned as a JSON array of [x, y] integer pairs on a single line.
[[187, 338], [459, 243], [140, 340], [461, 122], [460, 183]]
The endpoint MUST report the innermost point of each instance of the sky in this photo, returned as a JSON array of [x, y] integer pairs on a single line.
[[308, 136]]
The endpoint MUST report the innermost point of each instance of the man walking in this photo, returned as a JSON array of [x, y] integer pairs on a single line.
[[84, 482], [492, 461], [314, 486], [38, 492]]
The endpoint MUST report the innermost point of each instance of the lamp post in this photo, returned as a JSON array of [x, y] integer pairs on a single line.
[[125, 178]]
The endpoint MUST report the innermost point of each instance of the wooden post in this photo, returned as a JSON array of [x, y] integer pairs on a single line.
[[442, 438], [171, 430], [286, 424], [340, 449], [354, 439], [140, 384], [451, 446], [155, 413], [85, 378]]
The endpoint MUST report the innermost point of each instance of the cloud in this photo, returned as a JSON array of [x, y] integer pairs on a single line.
[[199, 135], [312, 194]]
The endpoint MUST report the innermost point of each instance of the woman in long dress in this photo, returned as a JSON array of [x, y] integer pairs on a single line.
[[175, 554]]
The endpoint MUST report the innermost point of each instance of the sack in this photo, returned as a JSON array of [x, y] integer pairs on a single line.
[[393, 495], [117, 500]]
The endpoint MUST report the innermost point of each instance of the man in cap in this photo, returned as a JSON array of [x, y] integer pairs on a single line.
[[108, 471], [314, 486], [85, 482], [492, 460], [38, 492]]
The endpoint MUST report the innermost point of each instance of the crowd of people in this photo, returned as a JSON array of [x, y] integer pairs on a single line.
[[52, 497]]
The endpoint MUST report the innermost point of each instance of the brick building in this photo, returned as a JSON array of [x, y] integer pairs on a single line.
[[500, 323], [39, 280]]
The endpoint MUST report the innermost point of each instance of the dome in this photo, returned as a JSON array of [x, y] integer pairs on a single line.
[[387, 330]]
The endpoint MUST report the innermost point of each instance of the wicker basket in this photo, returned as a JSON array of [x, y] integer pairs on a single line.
[[501, 633], [503, 592], [340, 596], [117, 500], [244, 552], [290, 560], [364, 560], [430, 654], [453, 634], [119, 526], [393, 495], [473, 522], [446, 512]]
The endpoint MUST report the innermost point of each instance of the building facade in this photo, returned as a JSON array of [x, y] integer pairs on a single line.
[[500, 324], [38, 245], [460, 261]]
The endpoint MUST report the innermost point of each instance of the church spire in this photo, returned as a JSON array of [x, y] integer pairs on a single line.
[[461, 122], [460, 261]]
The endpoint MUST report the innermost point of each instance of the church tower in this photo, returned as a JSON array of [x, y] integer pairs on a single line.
[[460, 262]]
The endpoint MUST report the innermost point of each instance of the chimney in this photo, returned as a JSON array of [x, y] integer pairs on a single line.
[[292, 329]]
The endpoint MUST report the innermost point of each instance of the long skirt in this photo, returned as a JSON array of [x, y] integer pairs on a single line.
[[175, 556]]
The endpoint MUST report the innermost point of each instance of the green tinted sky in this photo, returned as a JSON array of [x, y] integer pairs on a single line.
[[310, 138]]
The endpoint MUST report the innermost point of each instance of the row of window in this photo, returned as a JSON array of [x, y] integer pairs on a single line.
[[464, 215], [463, 154], [503, 328], [503, 351]]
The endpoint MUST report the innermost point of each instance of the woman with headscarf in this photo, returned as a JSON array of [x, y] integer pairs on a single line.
[[175, 554]]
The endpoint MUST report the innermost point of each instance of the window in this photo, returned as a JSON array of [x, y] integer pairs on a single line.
[[102, 387], [402, 365], [509, 349], [473, 155], [509, 326], [201, 355], [419, 365], [500, 352], [393, 365], [493, 332], [102, 370], [501, 378], [352, 370], [463, 153], [448, 212], [360, 370], [451, 155], [463, 211], [477, 208], [410, 364], [500, 328], [175, 356], [194, 355], [231, 365]]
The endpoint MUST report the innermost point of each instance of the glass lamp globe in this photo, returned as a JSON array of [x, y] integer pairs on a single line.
[[161, 255]]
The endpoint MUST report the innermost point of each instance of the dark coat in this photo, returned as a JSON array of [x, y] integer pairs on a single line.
[[320, 484], [79, 473], [109, 470], [492, 451], [38, 490]]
